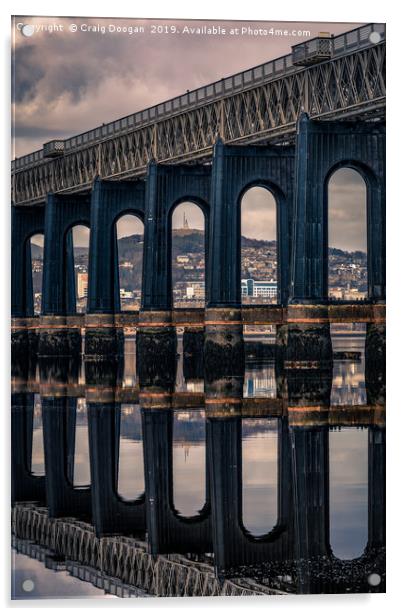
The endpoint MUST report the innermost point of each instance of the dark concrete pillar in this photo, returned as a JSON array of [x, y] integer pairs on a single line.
[[193, 353], [309, 267], [375, 357], [60, 327], [111, 514], [304, 345], [223, 278], [63, 499], [109, 201], [24, 485], [168, 531], [157, 273], [310, 470], [156, 357], [309, 277], [376, 487], [25, 222]]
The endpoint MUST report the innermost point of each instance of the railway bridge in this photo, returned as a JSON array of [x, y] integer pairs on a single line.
[[286, 125]]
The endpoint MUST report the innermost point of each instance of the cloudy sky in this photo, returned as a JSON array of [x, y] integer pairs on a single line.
[[69, 82]]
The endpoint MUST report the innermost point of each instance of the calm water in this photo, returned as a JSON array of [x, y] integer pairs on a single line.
[[251, 474]]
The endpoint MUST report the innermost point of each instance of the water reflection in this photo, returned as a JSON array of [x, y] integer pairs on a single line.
[[348, 454], [266, 474], [82, 473], [189, 462], [38, 454], [131, 462], [260, 474]]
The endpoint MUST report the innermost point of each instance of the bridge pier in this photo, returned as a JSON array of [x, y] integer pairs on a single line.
[[375, 356], [304, 345], [25, 222], [193, 353], [224, 343], [59, 332], [109, 201]]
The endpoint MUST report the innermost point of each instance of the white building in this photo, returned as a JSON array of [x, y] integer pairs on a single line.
[[259, 288]]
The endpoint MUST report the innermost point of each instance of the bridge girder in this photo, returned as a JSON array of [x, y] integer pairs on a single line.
[[351, 86]]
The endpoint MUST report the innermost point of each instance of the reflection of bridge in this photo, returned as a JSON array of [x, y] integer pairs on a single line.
[[326, 115], [95, 527]]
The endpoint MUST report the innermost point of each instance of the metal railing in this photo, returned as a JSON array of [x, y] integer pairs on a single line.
[[356, 39]]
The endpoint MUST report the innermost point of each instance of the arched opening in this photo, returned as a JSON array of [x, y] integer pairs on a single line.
[[259, 475], [347, 235], [189, 460], [82, 470], [259, 253], [80, 235], [38, 451], [348, 492], [131, 482], [188, 255], [36, 245], [130, 246]]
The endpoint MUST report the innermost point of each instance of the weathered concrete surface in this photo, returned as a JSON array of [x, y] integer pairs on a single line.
[[375, 369]]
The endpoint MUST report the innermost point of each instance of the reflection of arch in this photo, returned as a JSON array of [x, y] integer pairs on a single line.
[[369, 181], [24, 485], [169, 532], [342, 507], [198, 479], [233, 544], [245, 524], [201, 205], [63, 499], [375, 495], [110, 512]]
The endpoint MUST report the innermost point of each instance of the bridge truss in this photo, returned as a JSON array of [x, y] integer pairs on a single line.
[[348, 86]]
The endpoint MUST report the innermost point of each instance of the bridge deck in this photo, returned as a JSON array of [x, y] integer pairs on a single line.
[[261, 104]]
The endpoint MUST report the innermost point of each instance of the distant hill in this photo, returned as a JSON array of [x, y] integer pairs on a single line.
[[187, 240]]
